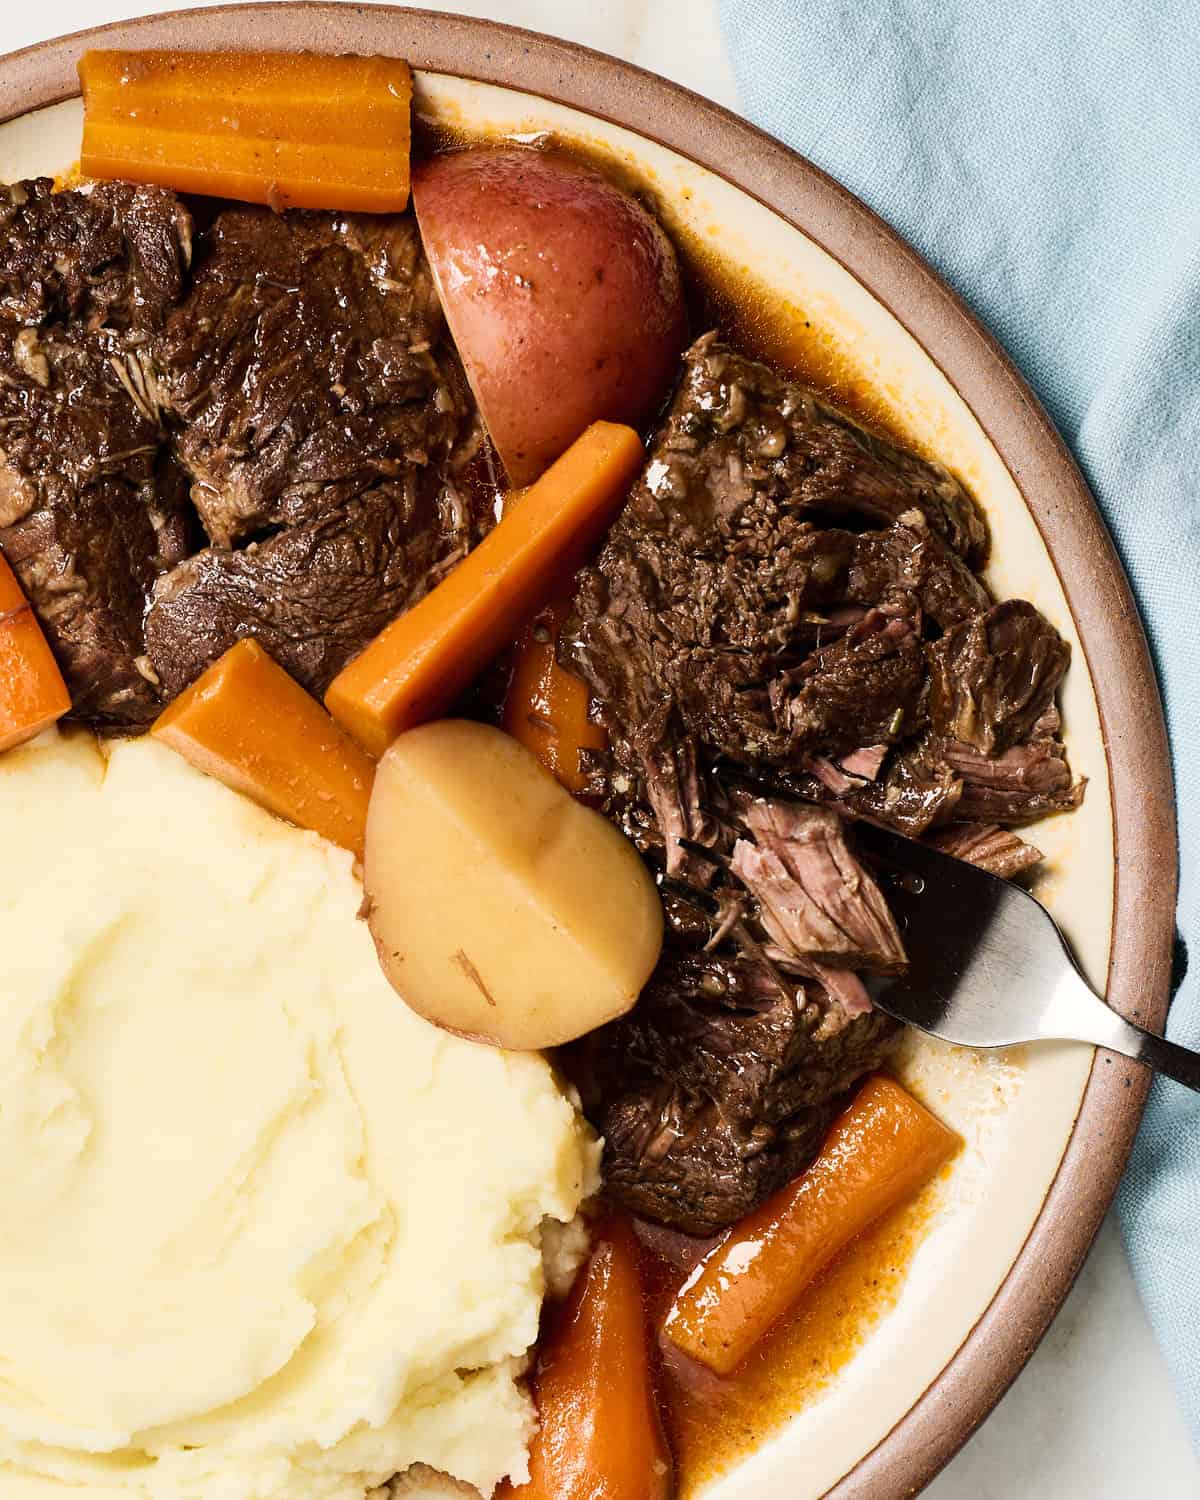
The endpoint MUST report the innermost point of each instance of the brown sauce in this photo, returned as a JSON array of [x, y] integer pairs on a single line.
[[721, 292], [712, 1423]]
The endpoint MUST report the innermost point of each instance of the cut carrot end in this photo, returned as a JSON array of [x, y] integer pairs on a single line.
[[248, 724]]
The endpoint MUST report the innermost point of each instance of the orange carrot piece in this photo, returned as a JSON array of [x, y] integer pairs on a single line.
[[880, 1151], [600, 1437], [33, 694], [546, 707], [423, 660], [290, 129], [249, 724]]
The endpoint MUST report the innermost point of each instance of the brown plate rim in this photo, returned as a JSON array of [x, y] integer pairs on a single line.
[[1097, 592]]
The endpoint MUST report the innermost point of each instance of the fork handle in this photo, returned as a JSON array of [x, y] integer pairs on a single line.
[[1180, 1063]]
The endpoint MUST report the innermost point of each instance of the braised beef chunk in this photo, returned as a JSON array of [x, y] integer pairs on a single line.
[[677, 1160], [305, 365], [719, 1087], [720, 610], [88, 566], [303, 381], [741, 441], [92, 509], [720, 617], [994, 675], [314, 594], [868, 688], [110, 256]]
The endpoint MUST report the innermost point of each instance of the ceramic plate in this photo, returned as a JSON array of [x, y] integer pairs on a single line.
[[1047, 1130]]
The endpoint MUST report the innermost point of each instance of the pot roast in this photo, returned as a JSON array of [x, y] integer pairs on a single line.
[[267, 432]]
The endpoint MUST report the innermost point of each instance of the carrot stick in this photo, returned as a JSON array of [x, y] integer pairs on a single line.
[[600, 1437], [546, 708], [880, 1151], [290, 129], [423, 660], [33, 694], [246, 722]]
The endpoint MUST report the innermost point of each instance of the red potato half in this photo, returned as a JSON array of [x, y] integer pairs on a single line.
[[562, 293]]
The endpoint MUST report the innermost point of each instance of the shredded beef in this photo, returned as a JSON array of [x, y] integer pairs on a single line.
[[784, 633], [1025, 782], [998, 850], [818, 904]]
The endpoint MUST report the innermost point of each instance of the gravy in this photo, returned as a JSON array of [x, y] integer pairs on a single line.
[[713, 1423]]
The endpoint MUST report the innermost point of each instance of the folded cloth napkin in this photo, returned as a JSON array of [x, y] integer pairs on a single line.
[[1044, 156]]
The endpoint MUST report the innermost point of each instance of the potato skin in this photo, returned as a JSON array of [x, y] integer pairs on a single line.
[[562, 293], [502, 909]]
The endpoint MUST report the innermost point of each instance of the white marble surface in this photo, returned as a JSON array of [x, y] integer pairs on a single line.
[[1092, 1417]]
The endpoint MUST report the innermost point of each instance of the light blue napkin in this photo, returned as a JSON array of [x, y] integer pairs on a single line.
[[1044, 155]]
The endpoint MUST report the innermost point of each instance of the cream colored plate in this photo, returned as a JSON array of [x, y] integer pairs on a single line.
[[1015, 1111]]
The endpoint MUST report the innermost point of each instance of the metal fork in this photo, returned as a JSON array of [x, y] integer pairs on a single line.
[[988, 966]]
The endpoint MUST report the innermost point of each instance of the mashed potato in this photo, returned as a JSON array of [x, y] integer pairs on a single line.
[[265, 1234]]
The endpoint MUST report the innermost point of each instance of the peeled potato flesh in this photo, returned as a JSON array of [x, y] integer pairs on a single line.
[[501, 907]]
